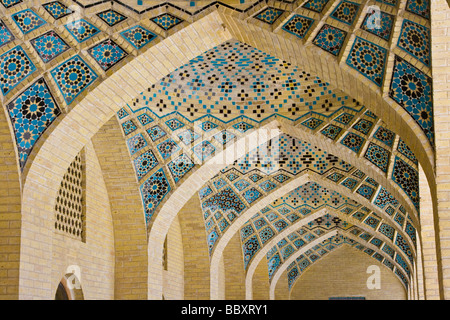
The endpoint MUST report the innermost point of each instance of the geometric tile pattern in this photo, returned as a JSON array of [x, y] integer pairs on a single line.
[[353, 141], [365, 191], [27, 20], [331, 131], [378, 156], [384, 135], [290, 154], [313, 196], [406, 151], [153, 191], [224, 70], [344, 118], [167, 148], [363, 126], [312, 123], [81, 30], [298, 25], [138, 36], [166, 21], [411, 88], [380, 26], [269, 15], [316, 5], [5, 35], [419, 7], [384, 198], [345, 12], [408, 179], [389, 2], [107, 53], [180, 166], [155, 133], [31, 113], [144, 163], [15, 66], [57, 10], [369, 59], [225, 200], [136, 143], [144, 119], [72, 77], [10, 3], [415, 39], [128, 127], [203, 150], [111, 17], [330, 39], [49, 45]]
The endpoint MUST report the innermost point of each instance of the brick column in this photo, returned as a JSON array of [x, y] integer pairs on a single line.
[[428, 240], [440, 33]]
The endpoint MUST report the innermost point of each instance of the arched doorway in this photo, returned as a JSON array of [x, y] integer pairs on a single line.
[[69, 288]]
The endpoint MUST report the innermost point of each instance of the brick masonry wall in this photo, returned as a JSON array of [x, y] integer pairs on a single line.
[[10, 217], [261, 282], [234, 269], [95, 257], [130, 239], [440, 32], [196, 258], [174, 275], [428, 240]]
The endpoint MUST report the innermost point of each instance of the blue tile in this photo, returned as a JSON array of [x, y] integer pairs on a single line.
[[82, 30], [73, 77], [107, 54], [31, 113], [27, 20], [138, 36], [49, 46], [15, 66]]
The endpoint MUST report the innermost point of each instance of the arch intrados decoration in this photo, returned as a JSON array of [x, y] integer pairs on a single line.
[[285, 265], [87, 117], [43, 171], [261, 255]]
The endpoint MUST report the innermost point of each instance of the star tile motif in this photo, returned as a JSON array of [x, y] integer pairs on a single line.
[[166, 21], [298, 25], [369, 59], [107, 54], [82, 30], [330, 39], [269, 15], [15, 66], [138, 36], [411, 89], [72, 77], [6, 35], [10, 3], [49, 46], [27, 20], [31, 113], [111, 17], [57, 10]]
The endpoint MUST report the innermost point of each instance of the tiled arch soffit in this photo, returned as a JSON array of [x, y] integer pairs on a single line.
[[262, 207], [80, 115], [289, 234]]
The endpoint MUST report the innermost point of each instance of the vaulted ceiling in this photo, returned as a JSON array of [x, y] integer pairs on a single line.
[[353, 161]]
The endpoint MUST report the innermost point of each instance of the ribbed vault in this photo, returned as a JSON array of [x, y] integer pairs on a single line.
[[217, 93]]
